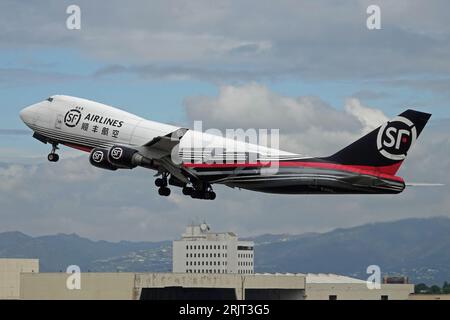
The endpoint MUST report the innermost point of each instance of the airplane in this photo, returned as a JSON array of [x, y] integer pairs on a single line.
[[116, 139]]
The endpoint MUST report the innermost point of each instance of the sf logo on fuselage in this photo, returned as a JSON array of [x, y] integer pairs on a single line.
[[72, 118], [97, 156], [116, 153], [396, 137]]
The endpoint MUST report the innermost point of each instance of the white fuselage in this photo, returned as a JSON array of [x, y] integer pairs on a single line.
[[87, 124]]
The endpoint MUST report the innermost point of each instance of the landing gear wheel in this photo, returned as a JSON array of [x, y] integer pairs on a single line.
[[200, 191], [187, 191], [160, 182], [209, 195], [196, 194], [163, 191], [53, 157], [212, 195]]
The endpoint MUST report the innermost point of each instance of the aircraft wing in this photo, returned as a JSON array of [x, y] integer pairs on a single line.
[[164, 145], [161, 148]]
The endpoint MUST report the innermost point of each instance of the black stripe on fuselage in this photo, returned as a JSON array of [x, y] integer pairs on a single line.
[[64, 137]]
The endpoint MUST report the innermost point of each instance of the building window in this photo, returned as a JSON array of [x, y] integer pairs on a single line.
[[384, 297], [332, 297]]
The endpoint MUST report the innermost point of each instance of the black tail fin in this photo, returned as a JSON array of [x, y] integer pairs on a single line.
[[385, 148]]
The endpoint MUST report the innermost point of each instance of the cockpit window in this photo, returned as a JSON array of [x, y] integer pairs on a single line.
[[50, 99]]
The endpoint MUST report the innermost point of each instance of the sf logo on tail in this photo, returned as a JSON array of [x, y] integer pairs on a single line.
[[396, 137]]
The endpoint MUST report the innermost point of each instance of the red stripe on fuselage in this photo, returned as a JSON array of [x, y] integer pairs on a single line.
[[79, 147], [381, 172]]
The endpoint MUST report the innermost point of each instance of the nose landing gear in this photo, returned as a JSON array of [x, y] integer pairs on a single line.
[[53, 156]]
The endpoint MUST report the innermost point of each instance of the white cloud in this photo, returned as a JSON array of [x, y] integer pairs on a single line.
[[13, 176], [295, 38], [370, 118], [307, 125]]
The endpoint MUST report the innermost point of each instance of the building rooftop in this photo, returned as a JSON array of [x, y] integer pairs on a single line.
[[202, 232], [318, 277], [330, 278]]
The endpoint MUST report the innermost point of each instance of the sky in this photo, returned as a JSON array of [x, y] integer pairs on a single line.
[[311, 69]]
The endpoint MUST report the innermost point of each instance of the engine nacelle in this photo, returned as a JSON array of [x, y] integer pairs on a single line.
[[99, 158], [128, 158], [122, 157]]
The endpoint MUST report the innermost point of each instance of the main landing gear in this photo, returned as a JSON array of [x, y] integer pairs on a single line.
[[162, 184], [53, 156], [201, 190], [204, 193]]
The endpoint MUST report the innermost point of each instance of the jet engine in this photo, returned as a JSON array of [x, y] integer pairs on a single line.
[[127, 158], [99, 158]]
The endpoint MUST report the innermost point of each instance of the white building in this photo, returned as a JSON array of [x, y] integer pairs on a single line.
[[202, 251], [10, 270], [20, 279]]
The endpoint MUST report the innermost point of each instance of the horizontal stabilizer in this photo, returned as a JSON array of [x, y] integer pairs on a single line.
[[424, 184]]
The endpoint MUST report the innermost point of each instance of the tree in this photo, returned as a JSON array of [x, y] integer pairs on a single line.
[[446, 288], [421, 288], [435, 289]]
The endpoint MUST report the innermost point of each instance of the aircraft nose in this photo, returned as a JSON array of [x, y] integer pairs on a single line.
[[25, 115], [28, 114]]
